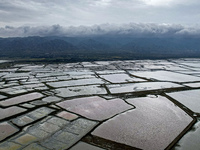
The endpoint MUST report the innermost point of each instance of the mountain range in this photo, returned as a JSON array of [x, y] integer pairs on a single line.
[[99, 47]]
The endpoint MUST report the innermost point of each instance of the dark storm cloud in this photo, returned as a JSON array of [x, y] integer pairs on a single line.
[[131, 29]]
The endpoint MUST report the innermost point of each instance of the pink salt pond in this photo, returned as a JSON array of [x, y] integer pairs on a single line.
[[153, 125], [95, 107], [21, 99]]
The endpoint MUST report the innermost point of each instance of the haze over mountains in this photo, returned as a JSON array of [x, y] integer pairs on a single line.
[[127, 29], [101, 42]]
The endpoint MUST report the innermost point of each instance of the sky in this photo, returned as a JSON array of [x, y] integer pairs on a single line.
[[45, 17]]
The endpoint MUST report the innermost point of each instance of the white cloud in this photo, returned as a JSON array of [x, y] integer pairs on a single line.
[[158, 2], [131, 29], [172, 3]]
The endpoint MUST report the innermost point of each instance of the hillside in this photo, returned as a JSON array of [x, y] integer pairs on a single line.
[[99, 48]]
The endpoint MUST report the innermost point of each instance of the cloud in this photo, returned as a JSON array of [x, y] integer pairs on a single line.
[[90, 12], [131, 29]]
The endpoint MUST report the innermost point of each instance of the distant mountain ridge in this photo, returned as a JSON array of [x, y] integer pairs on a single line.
[[103, 47]]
